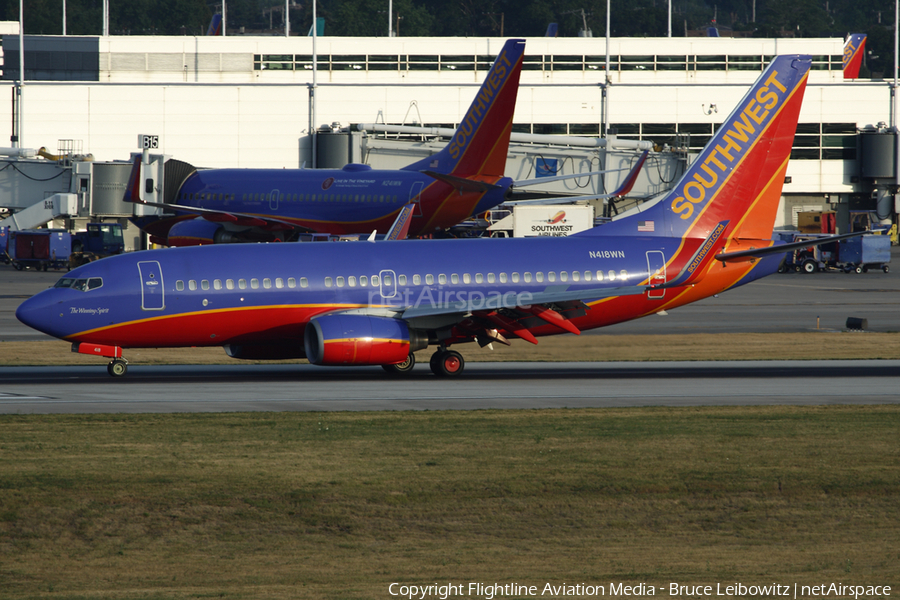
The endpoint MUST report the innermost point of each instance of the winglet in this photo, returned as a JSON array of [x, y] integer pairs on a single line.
[[133, 191], [703, 256], [626, 186], [400, 227]]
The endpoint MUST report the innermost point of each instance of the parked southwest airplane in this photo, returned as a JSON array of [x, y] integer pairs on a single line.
[[465, 178], [375, 303]]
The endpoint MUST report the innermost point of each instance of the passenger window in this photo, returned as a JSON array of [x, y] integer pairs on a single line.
[[329, 282], [192, 285], [490, 278], [576, 276], [417, 280], [304, 282], [515, 278], [242, 283], [467, 278], [599, 275], [179, 285], [363, 281], [623, 274], [279, 282], [442, 279], [612, 275], [387, 280], [351, 281], [340, 282], [502, 277], [254, 283], [551, 276], [292, 283], [527, 277], [204, 285], [539, 277], [454, 278], [479, 278], [374, 280], [229, 283], [401, 279], [267, 283], [217, 284], [587, 275], [429, 279], [563, 276]]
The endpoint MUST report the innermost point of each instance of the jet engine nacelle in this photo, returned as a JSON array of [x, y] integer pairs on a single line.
[[196, 232], [346, 339]]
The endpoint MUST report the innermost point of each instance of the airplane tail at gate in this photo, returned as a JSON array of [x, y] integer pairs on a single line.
[[738, 176], [481, 142]]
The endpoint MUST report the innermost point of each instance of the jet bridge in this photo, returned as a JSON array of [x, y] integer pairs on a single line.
[[67, 190]]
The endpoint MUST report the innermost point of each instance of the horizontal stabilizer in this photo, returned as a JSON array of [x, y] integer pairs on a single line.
[[782, 248], [462, 184]]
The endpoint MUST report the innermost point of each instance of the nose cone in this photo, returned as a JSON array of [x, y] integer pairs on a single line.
[[38, 312]]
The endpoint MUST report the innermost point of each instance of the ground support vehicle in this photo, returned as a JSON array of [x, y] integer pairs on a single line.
[[98, 241], [857, 254], [40, 249], [865, 252]]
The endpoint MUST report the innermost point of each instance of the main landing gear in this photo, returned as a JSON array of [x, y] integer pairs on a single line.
[[447, 363], [444, 363]]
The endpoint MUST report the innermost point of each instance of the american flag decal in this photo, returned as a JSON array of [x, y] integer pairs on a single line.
[[646, 226]]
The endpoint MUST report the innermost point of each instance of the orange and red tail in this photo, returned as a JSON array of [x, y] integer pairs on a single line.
[[738, 177]]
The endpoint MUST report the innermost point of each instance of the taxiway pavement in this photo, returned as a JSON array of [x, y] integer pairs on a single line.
[[196, 388]]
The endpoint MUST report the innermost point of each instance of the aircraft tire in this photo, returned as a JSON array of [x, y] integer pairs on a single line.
[[117, 368], [401, 368], [447, 363]]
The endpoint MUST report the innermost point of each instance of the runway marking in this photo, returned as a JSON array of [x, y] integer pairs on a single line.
[[6, 398]]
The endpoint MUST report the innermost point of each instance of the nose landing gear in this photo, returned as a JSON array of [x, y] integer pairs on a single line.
[[117, 367]]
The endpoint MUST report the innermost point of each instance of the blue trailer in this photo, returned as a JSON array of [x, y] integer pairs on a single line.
[[857, 254], [862, 253], [40, 249]]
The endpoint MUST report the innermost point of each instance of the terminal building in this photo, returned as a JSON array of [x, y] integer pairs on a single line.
[[254, 102]]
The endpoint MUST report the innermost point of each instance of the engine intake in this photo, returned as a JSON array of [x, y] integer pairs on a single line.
[[345, 339]]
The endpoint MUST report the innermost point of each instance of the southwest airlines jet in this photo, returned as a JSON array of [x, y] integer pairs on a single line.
[[465, 178], [376, 303]]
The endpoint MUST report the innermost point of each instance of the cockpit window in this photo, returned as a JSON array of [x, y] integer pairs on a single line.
[[82, 285]]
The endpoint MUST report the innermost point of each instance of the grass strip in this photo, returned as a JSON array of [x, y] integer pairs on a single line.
[[339, 505]]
